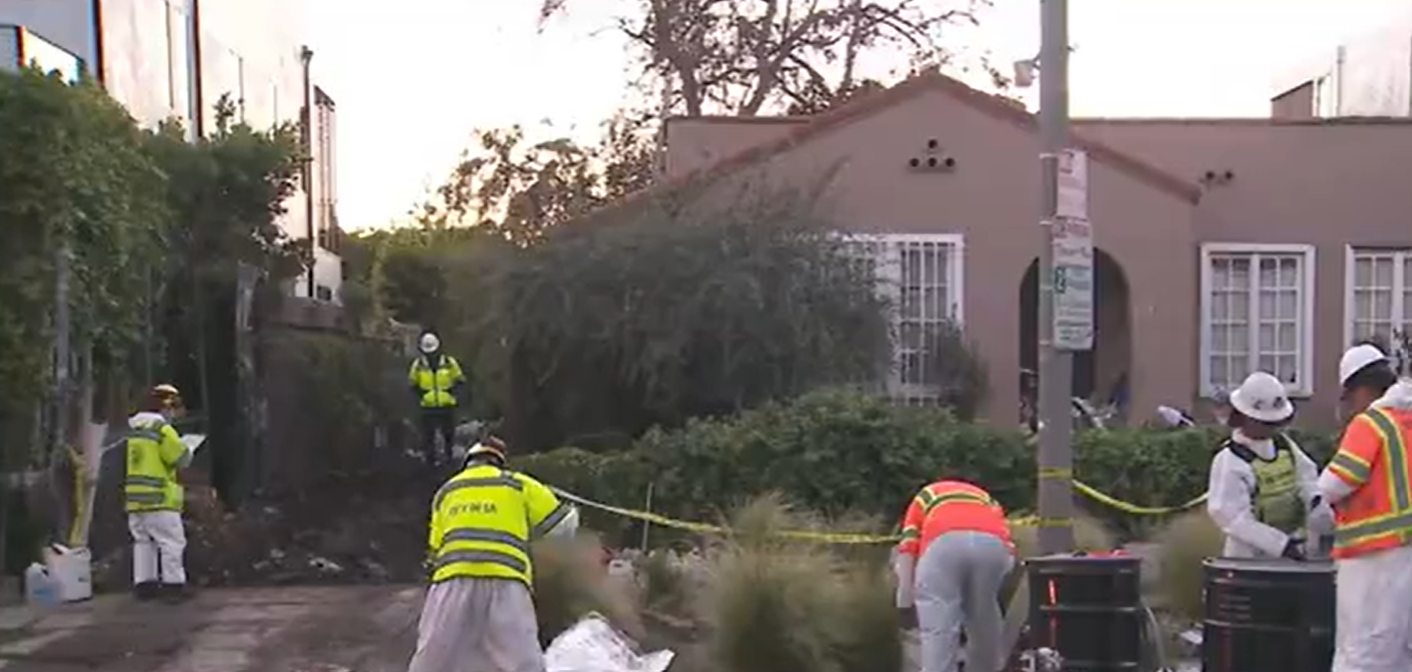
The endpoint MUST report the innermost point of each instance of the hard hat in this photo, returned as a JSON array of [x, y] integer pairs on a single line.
[[489, 446], [165, 396], [1262, 397], [1356, 359], [430, 343]]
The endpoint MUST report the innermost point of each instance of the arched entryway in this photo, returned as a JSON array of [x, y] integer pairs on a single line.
[[1101, 374]]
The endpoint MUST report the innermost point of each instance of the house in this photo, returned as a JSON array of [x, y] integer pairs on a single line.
[[1369, 74], [174, 59], [1223, 246]]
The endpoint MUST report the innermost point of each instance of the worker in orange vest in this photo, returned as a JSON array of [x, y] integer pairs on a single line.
[[954, 555], [1369, 484]]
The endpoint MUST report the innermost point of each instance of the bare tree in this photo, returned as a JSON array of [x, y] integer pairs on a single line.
[[746, 57]]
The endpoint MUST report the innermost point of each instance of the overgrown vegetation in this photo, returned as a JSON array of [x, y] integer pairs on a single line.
[[137, 237]]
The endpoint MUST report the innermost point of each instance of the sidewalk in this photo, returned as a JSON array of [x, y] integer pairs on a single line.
[[337, 629]]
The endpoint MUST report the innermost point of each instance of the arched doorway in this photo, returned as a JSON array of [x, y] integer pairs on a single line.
[[1101, 374]]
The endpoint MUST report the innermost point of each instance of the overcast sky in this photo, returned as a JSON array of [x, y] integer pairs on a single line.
[[413, 77]]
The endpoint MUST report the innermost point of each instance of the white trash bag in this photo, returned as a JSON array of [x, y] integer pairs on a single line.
[[593, 645]]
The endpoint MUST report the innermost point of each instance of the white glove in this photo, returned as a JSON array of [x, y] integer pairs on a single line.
[[1321, 518]]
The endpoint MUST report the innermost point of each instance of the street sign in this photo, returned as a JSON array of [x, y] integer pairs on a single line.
[[1073, 185], [1072, 249]]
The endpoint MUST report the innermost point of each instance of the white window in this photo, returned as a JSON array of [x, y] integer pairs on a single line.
[[1257, 305], [920, 276], [1379, 294]]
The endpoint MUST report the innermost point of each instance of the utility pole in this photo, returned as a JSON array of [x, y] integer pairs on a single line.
[[1056, 532]]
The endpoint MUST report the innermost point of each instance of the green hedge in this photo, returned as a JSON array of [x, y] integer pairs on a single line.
[[845, 453]]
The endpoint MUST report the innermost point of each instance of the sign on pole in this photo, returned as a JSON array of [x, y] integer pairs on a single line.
[[1073, 185], [1072, 254]]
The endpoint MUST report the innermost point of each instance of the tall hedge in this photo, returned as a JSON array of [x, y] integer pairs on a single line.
[[839, 452]]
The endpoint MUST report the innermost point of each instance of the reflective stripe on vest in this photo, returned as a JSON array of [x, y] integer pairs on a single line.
[[1392, 527], [975, 511], [149, 484], [435, 394], [930, 500], [486, 533]]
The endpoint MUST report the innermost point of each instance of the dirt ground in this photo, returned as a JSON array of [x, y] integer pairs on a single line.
[[363, 529]]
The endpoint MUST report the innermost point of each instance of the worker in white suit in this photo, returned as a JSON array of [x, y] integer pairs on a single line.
[[154, 498], [1262, 491], [1369, 484]]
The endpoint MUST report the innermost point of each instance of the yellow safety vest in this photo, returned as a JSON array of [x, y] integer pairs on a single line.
[[482, 522], [436, 384], [1277, 502], [153, 452]]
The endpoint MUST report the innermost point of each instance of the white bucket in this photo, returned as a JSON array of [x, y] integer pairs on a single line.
[[71, 571]]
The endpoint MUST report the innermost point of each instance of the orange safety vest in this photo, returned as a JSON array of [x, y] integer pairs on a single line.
[[1372, 458], [951, 506]]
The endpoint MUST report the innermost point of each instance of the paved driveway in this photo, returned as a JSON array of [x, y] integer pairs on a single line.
[[337, 629]]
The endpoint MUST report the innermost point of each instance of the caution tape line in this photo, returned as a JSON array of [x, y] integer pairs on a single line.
[[859, 538]]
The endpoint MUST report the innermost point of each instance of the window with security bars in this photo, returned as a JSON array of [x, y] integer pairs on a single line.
[[920, 277], [1380, 294], [1256, 315]]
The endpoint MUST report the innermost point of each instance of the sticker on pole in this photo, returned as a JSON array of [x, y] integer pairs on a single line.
[[1072, 194], [1072, 249]]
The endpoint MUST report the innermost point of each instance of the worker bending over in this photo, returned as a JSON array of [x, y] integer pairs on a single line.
[[437, 381], [1368, 484], [154, 498], [1262, 484], [479, 615], [954, 555]]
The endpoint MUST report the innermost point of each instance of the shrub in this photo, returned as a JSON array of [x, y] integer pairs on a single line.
[[780, 605], [570, 582], [840, 452], [1185, 543], [830, 451]]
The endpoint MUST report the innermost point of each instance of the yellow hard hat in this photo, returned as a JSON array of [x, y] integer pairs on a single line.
[[166, 396]]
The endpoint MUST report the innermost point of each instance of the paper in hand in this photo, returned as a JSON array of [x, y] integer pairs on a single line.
[[193, 442]]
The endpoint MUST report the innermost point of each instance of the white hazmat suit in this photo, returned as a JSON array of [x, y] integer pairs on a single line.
[[1375, 590], [1231, 493], [158, 537]]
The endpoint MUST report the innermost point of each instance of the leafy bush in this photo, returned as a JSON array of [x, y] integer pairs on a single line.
[[829, 451], [669, 313], [840, 452]]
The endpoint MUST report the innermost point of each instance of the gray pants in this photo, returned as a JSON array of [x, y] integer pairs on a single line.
[[478, 625], [958, 583]]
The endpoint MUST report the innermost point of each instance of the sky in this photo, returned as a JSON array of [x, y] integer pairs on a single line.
[[413, 78]]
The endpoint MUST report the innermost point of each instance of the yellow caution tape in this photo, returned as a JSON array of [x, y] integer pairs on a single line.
[[863, 538], [1134, 509]]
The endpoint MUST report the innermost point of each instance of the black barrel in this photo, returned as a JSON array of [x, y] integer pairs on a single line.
[[1268, 615], [1087, 608]]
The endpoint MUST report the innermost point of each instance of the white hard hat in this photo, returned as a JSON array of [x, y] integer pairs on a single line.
[[430, 343], [1262, 397], [1356, 359]]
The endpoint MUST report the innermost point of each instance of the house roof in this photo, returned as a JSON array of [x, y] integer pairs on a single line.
[[865, 107]]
